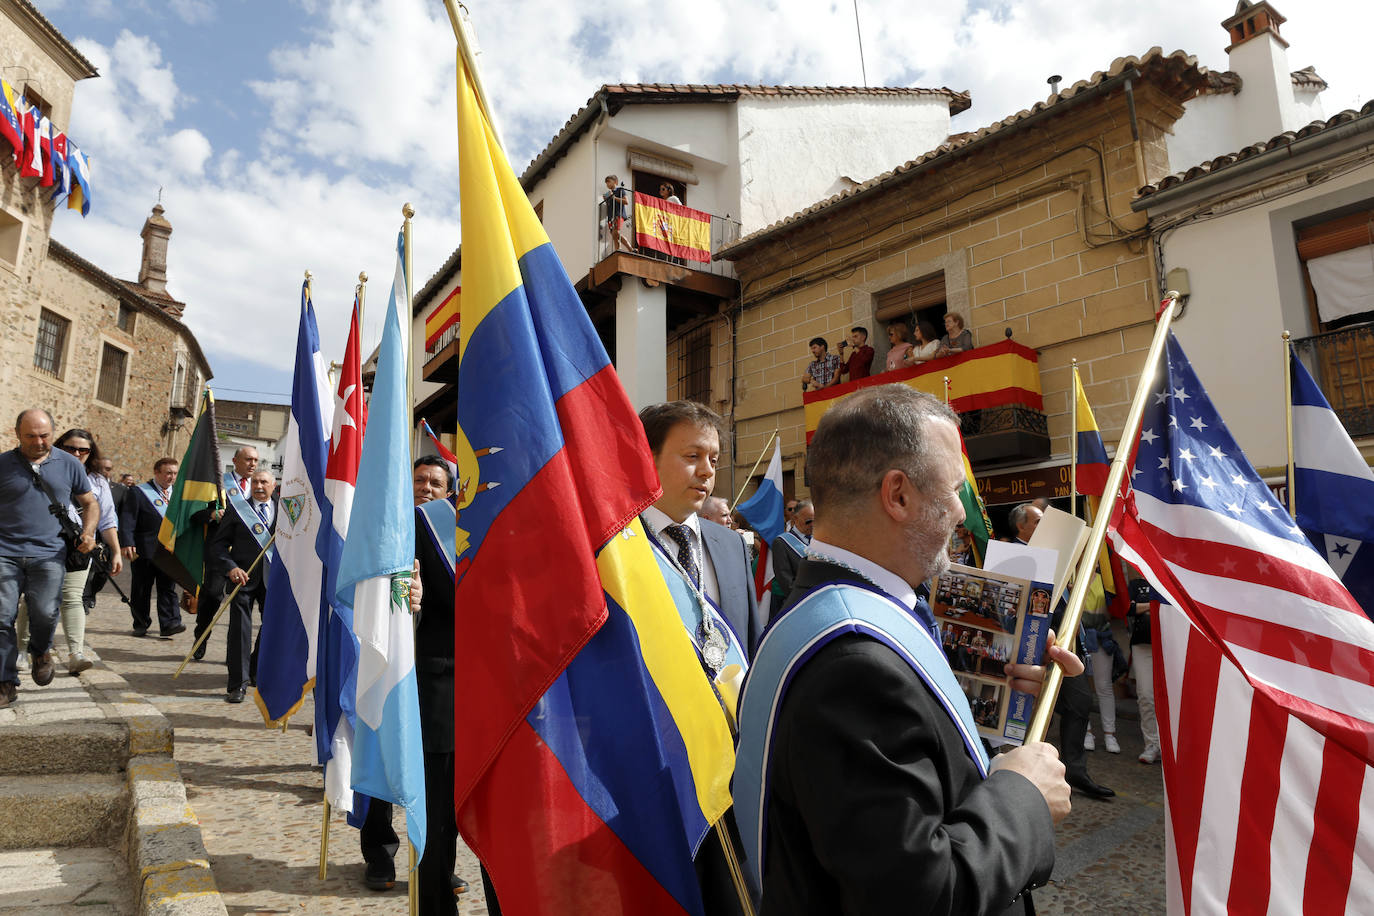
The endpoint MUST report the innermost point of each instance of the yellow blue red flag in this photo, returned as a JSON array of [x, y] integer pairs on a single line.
[[599, 754]]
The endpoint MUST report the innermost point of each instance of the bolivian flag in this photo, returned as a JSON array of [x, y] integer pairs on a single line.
[[672, 228], [181, 540]]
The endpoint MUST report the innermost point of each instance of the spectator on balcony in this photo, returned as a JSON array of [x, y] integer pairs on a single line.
[[899, 337], [926, 346], [617, 198], [860, 359], [824, 370], [669, 193], [957, 339]]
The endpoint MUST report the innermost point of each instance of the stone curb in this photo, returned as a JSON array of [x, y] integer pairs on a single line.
[[162, 843]]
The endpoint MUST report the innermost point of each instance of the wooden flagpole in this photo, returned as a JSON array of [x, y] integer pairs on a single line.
[[1073, 437], [1049, 691], [223, 606], [750, 476]]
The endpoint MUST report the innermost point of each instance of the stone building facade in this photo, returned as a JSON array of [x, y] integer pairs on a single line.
[[1024, 228], [97, 352]]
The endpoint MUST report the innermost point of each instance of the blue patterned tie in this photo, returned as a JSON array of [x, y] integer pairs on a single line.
[[685, 557], [262, 513]]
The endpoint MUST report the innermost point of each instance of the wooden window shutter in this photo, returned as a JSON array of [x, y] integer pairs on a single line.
[[909, 298], [1353, 231]]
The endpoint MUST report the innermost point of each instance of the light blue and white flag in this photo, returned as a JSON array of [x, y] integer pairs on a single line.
[[374, 578], [1334, 487], [764, 513], [295, 599]]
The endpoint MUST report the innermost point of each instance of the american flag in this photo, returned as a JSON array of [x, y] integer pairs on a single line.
[[1264, 676]]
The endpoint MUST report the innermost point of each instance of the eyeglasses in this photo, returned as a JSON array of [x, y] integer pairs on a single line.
[[76, 450]]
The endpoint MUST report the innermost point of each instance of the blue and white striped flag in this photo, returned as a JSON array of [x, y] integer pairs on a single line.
[[374, 577], [1334, 487], [295, 583]]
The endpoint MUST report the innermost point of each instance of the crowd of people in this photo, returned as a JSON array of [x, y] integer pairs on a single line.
[[828, 369], [880, 526]]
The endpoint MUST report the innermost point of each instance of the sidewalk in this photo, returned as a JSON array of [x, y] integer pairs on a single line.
[[256, 792], [258, 798]]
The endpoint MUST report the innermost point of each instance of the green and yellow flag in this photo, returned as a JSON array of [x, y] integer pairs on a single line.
[[975, 513], [195, 495]]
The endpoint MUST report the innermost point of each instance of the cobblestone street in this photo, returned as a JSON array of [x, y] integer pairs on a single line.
[[258, 798]]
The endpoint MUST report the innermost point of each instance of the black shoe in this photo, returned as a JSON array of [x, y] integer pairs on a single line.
[[237, 695], [1083, 783], [179, 628], [460, 886], [199, 653], [380, 875], [140, 632]]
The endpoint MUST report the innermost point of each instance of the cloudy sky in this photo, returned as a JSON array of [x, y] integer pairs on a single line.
[[285, 134]]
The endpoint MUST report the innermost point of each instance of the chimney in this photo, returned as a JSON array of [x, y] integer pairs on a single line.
[[152, 273], [1259, 55]]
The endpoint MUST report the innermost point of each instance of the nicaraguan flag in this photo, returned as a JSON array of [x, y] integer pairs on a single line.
[[374, 579], [295, 583], [764, 513], [1334, 488]]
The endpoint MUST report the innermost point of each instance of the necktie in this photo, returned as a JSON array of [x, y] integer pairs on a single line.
[[243, 485], [685, 557], [262, 513]]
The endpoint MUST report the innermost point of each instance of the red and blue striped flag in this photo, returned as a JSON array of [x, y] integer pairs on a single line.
[[595, 754]]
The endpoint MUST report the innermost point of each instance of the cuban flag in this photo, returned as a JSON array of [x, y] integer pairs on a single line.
[[337, 667], [764, 513], [374, 580], [1334, 488], [295, 584]]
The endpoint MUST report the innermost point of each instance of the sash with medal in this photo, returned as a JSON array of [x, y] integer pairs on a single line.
[[828, 612], [711, 633], [251, 520], [155, 497]]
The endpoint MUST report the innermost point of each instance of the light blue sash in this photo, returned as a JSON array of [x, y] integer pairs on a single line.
[[251, 520], [796, 543], [440, 522], [689, 608], [824, 614], [154, 497]]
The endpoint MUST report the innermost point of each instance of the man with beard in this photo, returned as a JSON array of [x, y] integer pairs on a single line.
[[876, 793]]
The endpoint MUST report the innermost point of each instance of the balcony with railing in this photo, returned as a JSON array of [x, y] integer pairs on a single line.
[[995, 388], [441, 356], [659, 240], [1342, 362]]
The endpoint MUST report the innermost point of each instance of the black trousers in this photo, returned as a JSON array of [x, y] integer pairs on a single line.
[[145, 577], [243, 663], [441, 838], [1074, 703], [211, 594], [376, 836]]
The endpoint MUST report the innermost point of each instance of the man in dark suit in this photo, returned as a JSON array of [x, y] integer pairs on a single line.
[[876, 795], [685, 439], [139, 522], [789, 548], [244, 532]]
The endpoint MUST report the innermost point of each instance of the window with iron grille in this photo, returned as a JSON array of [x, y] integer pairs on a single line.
[[694, 365], [110, 387], [52, 342]]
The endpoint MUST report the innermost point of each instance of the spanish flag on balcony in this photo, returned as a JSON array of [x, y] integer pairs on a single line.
[[1001, 374], [442, 318], [598, 755], [672, 228]]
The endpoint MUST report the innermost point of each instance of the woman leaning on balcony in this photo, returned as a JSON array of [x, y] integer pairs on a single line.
[[927, 345], [957, 339]]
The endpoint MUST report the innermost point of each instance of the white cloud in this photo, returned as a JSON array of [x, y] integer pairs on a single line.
[[193, 12], [188, 150]]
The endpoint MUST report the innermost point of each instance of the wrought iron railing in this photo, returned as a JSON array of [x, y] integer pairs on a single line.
[[724, 231], [1342, 362], [446, 337]]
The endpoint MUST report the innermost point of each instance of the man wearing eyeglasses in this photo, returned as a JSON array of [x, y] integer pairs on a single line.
[[32, 551]]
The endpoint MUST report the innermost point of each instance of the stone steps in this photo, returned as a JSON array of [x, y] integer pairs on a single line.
[[53, 811]]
